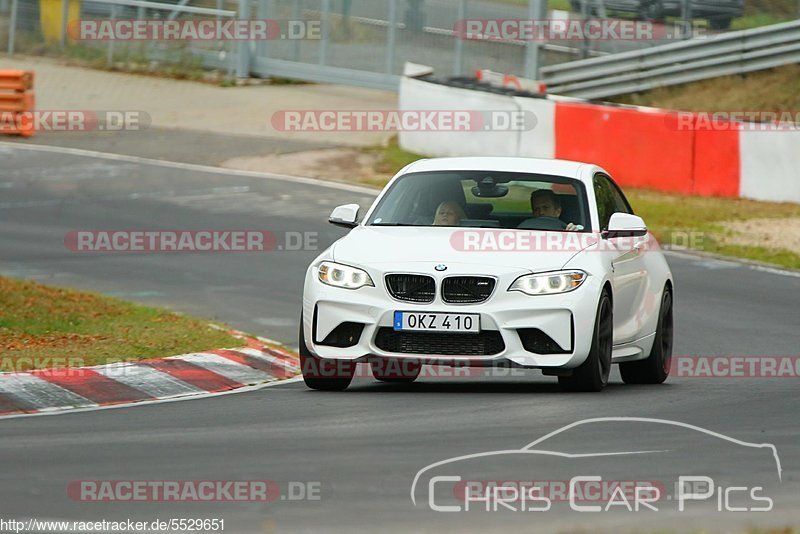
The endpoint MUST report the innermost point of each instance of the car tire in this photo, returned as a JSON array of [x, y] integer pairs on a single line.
[[592, 374], [394, 370], [654, 369], [324, 374]]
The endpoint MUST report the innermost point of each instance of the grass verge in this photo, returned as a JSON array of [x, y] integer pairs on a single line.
[[391, 158], [694, 222], [43, 326], [700, 223], [769, 90]]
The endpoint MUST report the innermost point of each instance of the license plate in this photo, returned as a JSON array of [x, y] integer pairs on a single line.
[[437, 322]]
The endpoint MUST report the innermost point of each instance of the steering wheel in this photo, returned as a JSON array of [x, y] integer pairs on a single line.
[[543, 223]]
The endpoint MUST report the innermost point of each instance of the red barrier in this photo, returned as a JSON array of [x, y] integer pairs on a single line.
[[638, 148], [717, 168], [666, 151]]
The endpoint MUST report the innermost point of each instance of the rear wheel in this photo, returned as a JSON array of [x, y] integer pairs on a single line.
[[324, 374], [592, 375], [654, 369], [394, 370]]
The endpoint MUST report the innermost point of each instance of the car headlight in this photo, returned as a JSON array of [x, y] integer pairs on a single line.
[[338, 275], [549, 283]]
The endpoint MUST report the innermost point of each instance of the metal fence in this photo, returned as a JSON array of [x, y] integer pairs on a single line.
[[677, 63], [46, 28], [367, 42]]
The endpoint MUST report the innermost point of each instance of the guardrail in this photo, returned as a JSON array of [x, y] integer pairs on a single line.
[[676, 63]]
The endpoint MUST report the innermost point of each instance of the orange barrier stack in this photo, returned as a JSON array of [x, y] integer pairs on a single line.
[[16, 98]]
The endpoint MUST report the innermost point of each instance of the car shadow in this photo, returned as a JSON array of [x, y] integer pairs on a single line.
[[470, 386]]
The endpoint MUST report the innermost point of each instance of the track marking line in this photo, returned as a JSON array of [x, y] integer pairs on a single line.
[[705, 256], [189, 166]]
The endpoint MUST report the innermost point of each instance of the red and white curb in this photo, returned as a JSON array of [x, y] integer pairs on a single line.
[[197, 374]]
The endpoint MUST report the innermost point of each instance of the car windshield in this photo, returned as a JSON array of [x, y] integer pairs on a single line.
[[484, 199]]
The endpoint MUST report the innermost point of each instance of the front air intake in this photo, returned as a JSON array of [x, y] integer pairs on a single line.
[[537, 342], [484, 343]]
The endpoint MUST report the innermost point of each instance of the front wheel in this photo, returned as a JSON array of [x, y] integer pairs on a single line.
[[655, 369], [592, 375], [324, 374]]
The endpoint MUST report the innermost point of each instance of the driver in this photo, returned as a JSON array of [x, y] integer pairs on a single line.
[[545, 203]]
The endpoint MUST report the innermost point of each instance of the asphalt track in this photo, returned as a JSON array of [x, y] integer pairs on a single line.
[[366, 445]]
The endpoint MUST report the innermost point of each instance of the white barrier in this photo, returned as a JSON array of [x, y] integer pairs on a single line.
[[418, 95], [539, 142], [770, 165]]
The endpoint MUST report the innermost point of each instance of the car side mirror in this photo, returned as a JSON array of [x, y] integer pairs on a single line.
[[625, 225], [345, 215]]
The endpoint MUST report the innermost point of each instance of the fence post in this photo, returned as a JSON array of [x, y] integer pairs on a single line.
[[586, 13], [686, 15], [262, 13], [458, 68], [391, 37], [296, 15], [64, 16], [110, 51], [537, 10], [243, 47], [326, 22], [12, 27]]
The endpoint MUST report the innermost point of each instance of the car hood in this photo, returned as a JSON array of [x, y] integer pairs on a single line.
[[374, 245]]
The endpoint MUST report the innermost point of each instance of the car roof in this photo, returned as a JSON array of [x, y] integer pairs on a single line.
[[557, 167]]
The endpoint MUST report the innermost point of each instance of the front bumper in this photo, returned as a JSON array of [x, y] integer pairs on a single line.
[[568, 319]]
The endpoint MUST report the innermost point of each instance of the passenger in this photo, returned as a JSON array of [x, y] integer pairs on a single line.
[[449, 213]]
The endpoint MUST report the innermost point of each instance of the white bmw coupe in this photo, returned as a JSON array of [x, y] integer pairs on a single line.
[[510, 262]]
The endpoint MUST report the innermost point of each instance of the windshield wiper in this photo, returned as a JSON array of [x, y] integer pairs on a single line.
[[392, 224]]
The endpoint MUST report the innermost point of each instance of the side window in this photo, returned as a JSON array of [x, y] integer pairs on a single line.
[[610, 200], [622, 204]]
